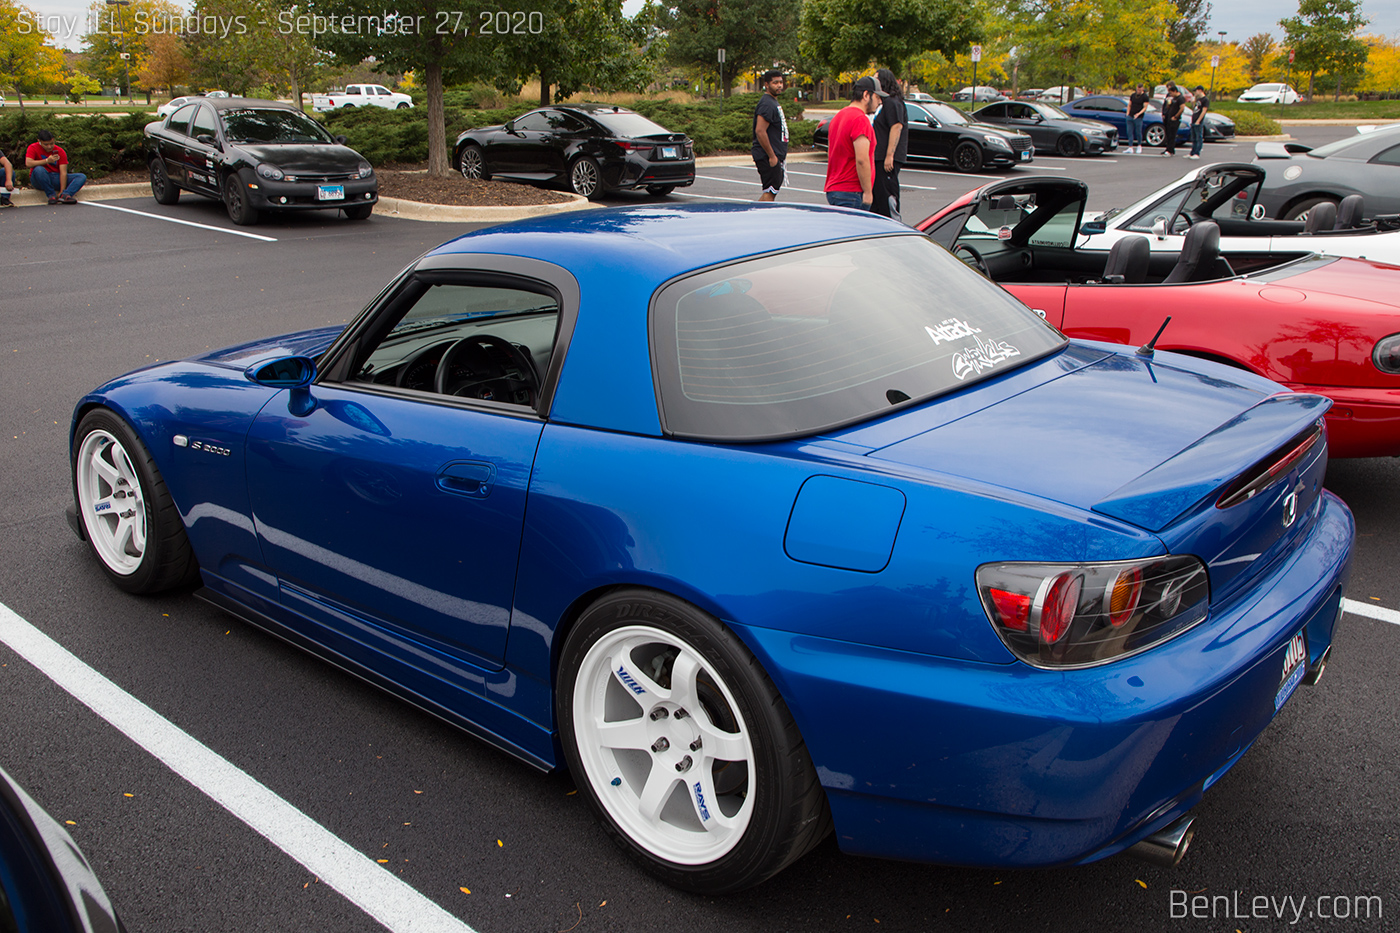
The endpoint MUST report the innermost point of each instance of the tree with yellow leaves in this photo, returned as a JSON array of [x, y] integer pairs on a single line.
[[1230, 78], [163, 64], [1382, 66], [28, 58]]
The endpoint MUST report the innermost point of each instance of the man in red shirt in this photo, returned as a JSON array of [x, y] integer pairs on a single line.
[[850, 142], [48, 170]]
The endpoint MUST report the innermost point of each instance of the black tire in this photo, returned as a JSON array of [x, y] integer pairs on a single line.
[[165, 559], [585, 177], [1300, 210], [1069, 145], [779, 799], [471, 162], [401, 107], [359, 211], [236, 202], [162, 188], [1155, 135], [968, 158], [660, 191]]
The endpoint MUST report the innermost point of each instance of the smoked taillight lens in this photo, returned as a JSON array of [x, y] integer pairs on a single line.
[[1075, 615]]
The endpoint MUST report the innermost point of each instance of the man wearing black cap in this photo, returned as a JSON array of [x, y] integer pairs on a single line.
[[850, 142]]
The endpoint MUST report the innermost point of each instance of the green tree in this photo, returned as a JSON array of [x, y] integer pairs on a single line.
[[119, 36], [754, 36], [1184, 27], [1256, 49], [1097, 43], [164, 64], [28, 58], [80, 85], [580, 43], [850, 35], [1323, 35]]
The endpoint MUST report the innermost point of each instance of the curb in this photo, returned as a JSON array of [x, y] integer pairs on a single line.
[[1263, 139], [28, 197], [452, 213]]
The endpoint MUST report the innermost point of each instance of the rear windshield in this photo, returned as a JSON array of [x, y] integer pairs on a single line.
[[273, 126], [627, 124], [812, 339]]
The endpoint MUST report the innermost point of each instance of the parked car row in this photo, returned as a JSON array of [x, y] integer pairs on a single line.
[[942, 133]]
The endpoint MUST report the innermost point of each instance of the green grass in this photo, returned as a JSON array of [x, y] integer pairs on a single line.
[[1321, 109]]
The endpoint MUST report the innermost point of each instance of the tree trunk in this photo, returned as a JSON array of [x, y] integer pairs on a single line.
[[1337, 94], [296, 88], [1311, 75], [728, 84], [544, 89], [437, 125]]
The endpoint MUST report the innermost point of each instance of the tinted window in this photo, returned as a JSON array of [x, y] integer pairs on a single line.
[[995, 111], [628, 124], [1390, 157], [915, 113], [382, 90], [945, 114], [203, 123], [1048, 111], [180, 120], [273, 126], [562, 122], [353, 90], [535, 122], [814, 338]]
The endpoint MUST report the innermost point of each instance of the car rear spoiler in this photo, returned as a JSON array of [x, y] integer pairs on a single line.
[[1279, 150]]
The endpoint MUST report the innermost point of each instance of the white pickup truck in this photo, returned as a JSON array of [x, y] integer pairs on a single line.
[[361, 95]]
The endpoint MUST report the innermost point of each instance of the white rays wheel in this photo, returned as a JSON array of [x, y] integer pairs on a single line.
[[125, 510], [684, 746], [111, 502]]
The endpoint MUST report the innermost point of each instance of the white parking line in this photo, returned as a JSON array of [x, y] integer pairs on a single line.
[[901, 185], [357, 877], [187, 223], [755, 184], [1370, 611]]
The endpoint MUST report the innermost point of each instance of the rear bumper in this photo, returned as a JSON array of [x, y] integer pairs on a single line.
[[1361, 422], [931, 759]]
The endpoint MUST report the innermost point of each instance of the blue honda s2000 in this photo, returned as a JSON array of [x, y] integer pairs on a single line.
[[763, 521]]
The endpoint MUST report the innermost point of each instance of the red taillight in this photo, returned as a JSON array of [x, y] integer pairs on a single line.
[[630, 145], [1057, 611], [1123, 596], [1014, 609]]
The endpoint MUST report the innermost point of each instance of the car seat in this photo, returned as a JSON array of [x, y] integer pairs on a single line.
[[1199, 251], [1350, 212], [1321, 217], [1128, 261]]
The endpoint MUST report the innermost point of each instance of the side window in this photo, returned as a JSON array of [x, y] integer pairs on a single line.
[[353, 89], [203, 123], [490, 343], [533, 122], [1165, 208], [562, 122], [993, 112], [1390, 156], [180, 119], [1114, 104]]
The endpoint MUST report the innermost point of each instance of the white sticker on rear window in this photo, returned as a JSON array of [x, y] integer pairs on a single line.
[[982, 357], [951, 329]]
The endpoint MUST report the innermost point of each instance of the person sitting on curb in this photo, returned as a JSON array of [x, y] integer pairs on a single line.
[[9, 181], [48, 170]]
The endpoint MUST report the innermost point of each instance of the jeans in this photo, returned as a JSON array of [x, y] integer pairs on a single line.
[[47, 181], [1198, 137], [846, 199], [1135, 131]]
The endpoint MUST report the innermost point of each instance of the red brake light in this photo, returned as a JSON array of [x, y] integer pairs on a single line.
[[631, 145], [1061, 601], [1014, 608]]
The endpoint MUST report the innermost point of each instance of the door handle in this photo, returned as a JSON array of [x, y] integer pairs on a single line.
[[467, 478]]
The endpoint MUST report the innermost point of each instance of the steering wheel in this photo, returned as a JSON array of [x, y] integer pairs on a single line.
[[486, 367], [973, 258], [1185, 219]]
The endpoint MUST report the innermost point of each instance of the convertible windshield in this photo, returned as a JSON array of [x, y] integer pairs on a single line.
[[273, 126], [812, 339]]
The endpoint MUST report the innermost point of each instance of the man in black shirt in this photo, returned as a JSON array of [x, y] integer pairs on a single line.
[[891, 145], [1198, 122], [1137, 109], [1171, 117], [770, 135]]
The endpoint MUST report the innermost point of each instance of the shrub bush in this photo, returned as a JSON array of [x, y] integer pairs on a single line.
[[96, 145], [1251, 123], [383, 136]]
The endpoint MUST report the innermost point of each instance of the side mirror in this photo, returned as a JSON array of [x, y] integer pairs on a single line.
[[510, 128], [1159, 228], [340, 140], [207, 140], [1093, 227], [289, 372]]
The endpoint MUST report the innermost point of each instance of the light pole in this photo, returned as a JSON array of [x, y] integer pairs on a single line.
[[126, 60], [1214, 64]]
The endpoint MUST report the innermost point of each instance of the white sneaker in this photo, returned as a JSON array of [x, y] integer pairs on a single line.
[[1137, 150]]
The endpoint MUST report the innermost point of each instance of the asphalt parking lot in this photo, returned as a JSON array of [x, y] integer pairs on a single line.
[[481, 841]]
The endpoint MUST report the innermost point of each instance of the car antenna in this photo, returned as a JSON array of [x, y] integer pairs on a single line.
[[1147, 349]]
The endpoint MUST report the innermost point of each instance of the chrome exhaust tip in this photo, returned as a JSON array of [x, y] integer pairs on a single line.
[[1316, 671], [1166, 847]]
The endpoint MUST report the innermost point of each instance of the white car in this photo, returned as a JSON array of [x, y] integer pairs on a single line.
[[1227, 193], [1060, 94], [170, 106], [1269, 94], [361, 95]]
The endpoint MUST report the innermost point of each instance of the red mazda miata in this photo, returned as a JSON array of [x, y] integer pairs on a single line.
[[1313, 323]]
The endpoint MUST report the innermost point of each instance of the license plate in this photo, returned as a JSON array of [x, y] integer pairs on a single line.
[[1026, 156], [670, 152], [330, 192], [1295, 665]]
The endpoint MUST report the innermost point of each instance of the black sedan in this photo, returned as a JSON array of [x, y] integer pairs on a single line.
[[255, 156], [939, 132], [1051, 128], [1298, 178], [588, 148]]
